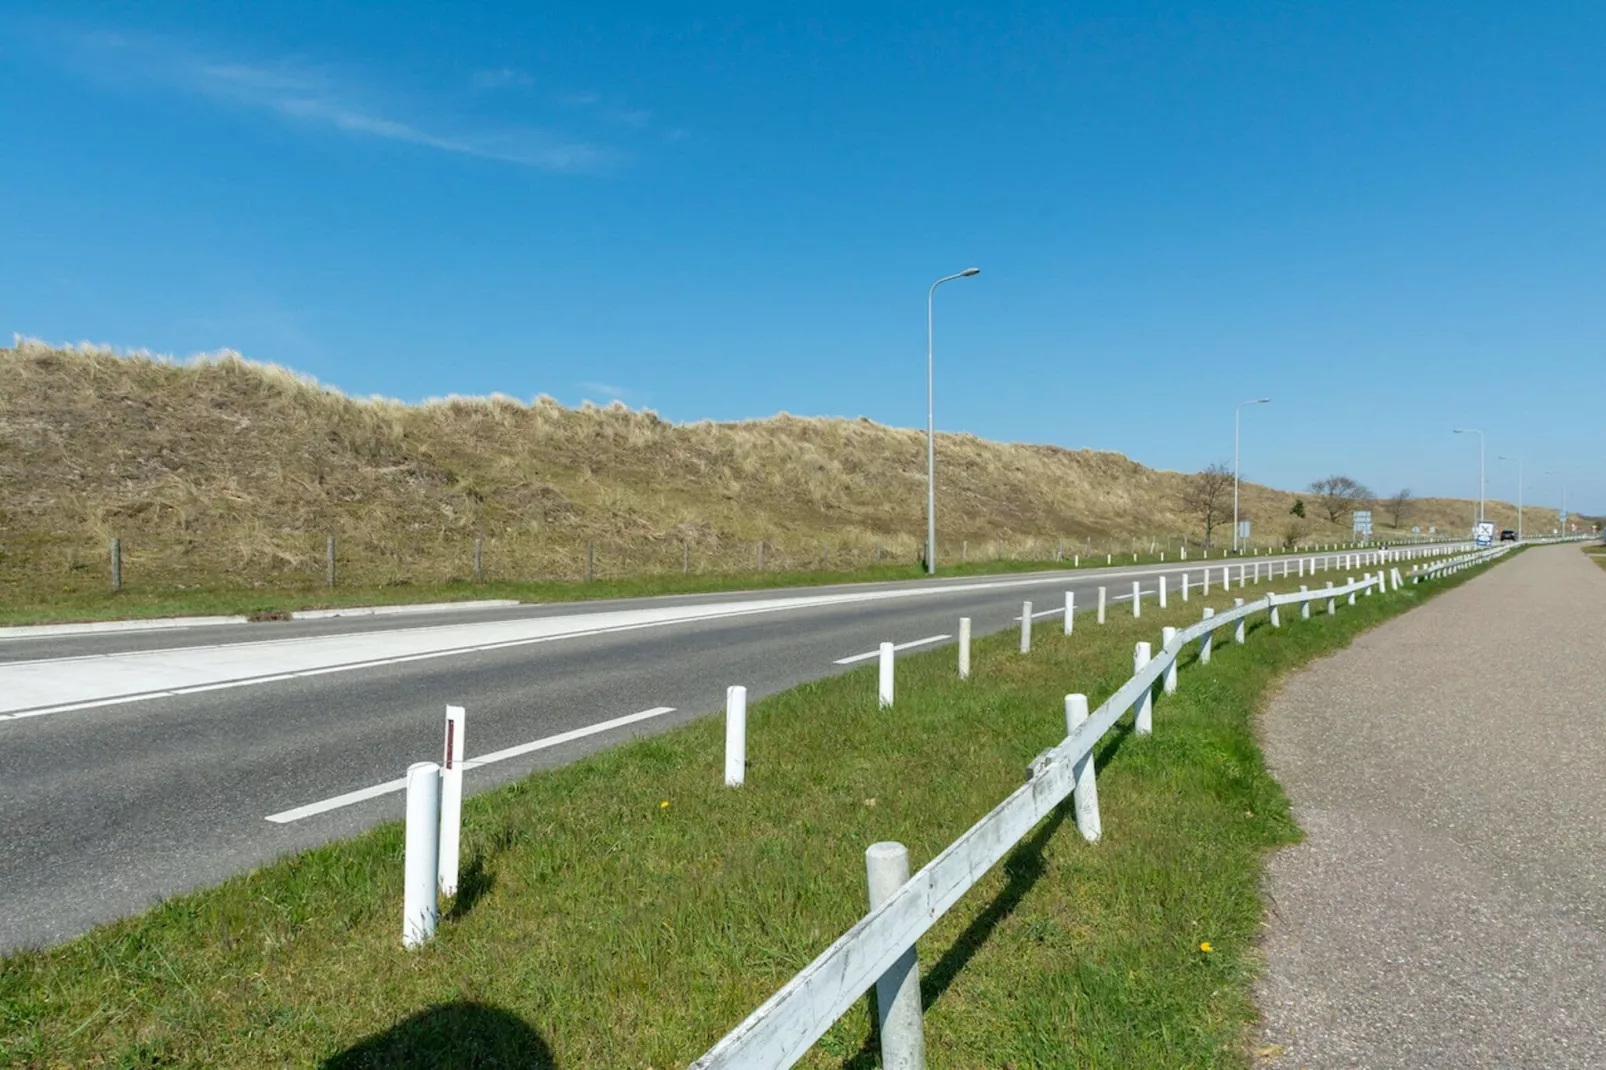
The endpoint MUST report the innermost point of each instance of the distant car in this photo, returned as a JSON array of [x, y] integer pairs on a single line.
[[1508, 535]]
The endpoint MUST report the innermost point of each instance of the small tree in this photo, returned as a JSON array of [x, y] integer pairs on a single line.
[[1207, 497], [1298, 509], [1399, 506], [1293, 531], [1339, 494]]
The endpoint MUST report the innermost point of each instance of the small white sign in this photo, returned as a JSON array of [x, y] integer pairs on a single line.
[[1483, 533]]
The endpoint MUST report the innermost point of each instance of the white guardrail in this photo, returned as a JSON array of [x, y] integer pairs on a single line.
[[879, 950]]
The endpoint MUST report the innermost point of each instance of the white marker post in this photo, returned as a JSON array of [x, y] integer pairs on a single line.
[[1085, 797], [964, 648], [886, 676], [1137, 599], [1070, 611], [1207, 583], [1239, 633], [1207, 640], [1304, 603], [1276, 620], [421, 866], [1143, 723], [1168, 638], [1162, 592], [1101, 605], [1332, 603], [735, 735], [1025, 627], [1350, 582], [1184, 586], [451, 800]]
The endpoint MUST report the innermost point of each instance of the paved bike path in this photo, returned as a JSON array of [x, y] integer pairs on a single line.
[[1448, 905]]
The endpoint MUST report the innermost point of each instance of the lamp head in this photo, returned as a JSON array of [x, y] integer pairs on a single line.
[[970, 271]]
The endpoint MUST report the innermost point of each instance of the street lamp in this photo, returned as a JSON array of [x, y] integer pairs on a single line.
[[1563, 517], [1519, 492], [931, 428], [1475, 431], [1237, 415]]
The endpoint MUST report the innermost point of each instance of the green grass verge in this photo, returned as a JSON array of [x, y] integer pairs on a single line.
[[626, 910], [134, 602]]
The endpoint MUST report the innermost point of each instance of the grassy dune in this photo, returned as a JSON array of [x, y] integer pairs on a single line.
[[220, 475]]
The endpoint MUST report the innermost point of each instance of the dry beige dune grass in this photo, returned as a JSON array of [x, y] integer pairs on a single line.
[[220, 472]]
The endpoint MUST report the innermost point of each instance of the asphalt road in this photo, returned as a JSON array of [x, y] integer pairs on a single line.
[[105, 810], [1448, 905]]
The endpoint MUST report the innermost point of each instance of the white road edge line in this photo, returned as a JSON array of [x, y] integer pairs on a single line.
[[900, 646], [364, 794]]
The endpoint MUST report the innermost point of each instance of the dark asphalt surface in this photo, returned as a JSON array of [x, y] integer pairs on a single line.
[[1448, 906], [104, 811]]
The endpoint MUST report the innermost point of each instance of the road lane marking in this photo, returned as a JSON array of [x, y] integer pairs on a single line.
[[897, 646], [350, 798]]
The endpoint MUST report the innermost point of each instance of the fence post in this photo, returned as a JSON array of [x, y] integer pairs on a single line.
[[420, 905], [1241, 577], [1206, 583], [1143, 723], [1162, 592], [1070, 611], [735, 735], [1226, 577], [1349, 581], [1101, 605], [1238, 633], [886, 676], [897, 992], [1207, 640], [1371, 583], [1025, 627], [1137, 599], [1085, 797], [1276, 620], [451, 800], [329, 564], [1304, 603], [1168, 639], [117, 565], [964, 648], [479, 560], [1331, 601]]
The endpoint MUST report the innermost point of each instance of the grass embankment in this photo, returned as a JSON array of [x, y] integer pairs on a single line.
[[228, 476], [626, 910], [147, 603]]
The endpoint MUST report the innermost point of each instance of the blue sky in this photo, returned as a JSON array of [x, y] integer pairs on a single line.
[[1386, 216]]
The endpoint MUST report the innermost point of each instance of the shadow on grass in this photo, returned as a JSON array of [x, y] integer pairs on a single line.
[[474, 882], [1023, 866], [450, 1035]]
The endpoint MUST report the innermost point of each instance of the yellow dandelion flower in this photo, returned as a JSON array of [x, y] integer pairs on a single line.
[[664, 805], [1206, 948]]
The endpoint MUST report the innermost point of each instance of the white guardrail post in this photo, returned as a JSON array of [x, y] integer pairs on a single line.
[[1238, 631], [1162, 592], [1184, 586], [897, 991], [1025, 627], [1207, 640], [421, 866], [451, 801], [1137, 599], [1070, 611], [1168, 639], [1101, 604], [964, 648], [1276, 619], [735, 735], [1085, 797], [885, 694]]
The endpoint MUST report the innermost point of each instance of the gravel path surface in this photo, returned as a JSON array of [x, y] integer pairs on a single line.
[[1448, 907]]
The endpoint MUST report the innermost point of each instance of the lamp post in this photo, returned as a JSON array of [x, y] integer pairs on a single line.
[[1237, 418], [931, 427], [1479, 433], [1519, 492], [1563, 517]]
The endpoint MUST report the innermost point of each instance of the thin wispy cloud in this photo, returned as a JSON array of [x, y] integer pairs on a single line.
[[502, 78], [327, 98], [640, 118]]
